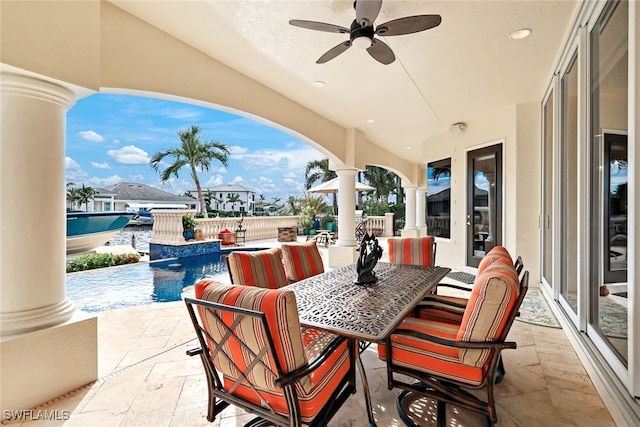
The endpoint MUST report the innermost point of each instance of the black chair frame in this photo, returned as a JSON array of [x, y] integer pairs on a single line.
[[219, 398], [446, 390]]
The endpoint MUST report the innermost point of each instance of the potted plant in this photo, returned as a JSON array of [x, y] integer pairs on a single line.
[[189, 225], [307, 215]]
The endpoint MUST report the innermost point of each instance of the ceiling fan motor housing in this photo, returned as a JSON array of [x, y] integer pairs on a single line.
[[359, 31]]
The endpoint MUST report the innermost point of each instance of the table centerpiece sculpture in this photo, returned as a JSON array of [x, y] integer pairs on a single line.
[[370, 253]]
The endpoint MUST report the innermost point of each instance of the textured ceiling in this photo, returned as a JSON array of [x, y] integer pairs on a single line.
[[459, 71]]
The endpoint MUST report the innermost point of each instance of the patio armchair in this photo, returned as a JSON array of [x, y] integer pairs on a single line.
[[256, 356], [449, 360], [451, 308], [263, 268], [301, 260], [413, 250]]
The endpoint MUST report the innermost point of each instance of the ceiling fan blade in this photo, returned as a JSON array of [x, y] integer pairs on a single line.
[[319, 26], [408, 25], [381, 52], [367, 11], [333, 52]]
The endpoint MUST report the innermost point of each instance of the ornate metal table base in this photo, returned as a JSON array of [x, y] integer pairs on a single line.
[[420, 411], [365, 389]]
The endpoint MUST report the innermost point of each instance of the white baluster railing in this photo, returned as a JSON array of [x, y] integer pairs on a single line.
[[167, 226]]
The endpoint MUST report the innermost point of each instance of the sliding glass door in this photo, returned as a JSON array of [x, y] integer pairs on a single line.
[[608, 296]]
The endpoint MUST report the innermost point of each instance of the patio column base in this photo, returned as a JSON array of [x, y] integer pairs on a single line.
[[340, 256], [410, 233], [49, 362], [422, 230]]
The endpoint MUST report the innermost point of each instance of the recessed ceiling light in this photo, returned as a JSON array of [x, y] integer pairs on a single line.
[[520, 34], [371, 121], [408, 148], [318, 83]]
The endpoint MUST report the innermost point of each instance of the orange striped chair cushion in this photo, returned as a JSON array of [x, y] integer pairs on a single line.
[[412, 250], [443, 308], [263, 269], [497, 257], [429, 357], [494, 295], [493, 298], [294, 346], [495, 254], [301, 260]]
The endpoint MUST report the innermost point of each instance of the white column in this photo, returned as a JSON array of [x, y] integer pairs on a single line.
[[344, 251], [410, 229], [47, 347], [32, 204], [421, 217]]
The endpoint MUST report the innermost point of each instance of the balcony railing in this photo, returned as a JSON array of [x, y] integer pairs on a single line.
[[167, 226]]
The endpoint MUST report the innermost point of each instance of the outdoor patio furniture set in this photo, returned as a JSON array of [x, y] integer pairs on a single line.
[[283, 340]]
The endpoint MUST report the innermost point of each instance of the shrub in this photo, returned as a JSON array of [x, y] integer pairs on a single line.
[[93, 261]]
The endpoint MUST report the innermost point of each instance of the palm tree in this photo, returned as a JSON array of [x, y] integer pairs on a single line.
[[293, 205], [73, 195], [318, 170], [210, 196], [194, 154], [85, 194], [233, 198], [275, 200], [382, 180]]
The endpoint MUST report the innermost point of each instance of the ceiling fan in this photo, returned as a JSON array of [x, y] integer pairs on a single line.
[[362, 32]]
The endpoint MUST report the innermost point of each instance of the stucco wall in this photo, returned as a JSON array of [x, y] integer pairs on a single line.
[[518, 129]]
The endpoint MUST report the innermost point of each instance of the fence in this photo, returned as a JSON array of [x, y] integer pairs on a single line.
[[167, 225]]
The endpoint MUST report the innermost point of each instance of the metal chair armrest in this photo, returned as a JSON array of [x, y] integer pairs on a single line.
[[194, 351], [312, 365], [488, 345], [453, 286]]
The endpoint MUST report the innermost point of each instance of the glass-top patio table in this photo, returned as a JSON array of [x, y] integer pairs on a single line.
[[332, 302]]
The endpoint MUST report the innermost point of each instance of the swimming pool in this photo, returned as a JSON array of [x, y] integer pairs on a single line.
[[140, 284]]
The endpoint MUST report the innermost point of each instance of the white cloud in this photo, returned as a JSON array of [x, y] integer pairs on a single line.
[[238, 180], [104, 182], [129, 155], [214, 180], [278, 159], [236, 149], [181, 113], [103, 165], [73, 171], [90, 135], [220, 169]]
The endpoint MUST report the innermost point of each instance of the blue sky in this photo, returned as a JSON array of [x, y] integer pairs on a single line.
[[110, 139]]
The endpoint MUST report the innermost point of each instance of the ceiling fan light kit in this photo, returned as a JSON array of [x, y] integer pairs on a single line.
[[362, 31]]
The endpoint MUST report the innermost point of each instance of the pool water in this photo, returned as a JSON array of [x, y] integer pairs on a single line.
[[140, 284]]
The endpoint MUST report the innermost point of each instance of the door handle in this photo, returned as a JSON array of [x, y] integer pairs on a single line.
[[468, 222]]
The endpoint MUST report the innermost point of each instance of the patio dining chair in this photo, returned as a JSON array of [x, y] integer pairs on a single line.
[[413, 250], [301, 260], [451, 308], [257, 357], [450, 360], [262, 268]]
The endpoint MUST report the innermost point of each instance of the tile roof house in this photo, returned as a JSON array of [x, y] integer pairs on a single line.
[[130, 194]]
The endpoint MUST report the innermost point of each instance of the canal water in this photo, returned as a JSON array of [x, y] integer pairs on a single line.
[[137, 236]]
